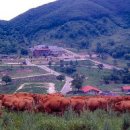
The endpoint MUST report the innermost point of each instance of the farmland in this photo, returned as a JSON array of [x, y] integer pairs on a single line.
[[20, 71], [33, 87], [34, 80], [93, 75], [57, 112]]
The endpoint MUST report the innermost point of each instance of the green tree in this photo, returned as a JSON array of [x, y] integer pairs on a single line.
[[24, 51], [78, 81], [98, 48], [49, 63], [100, 66], [61, 63], [128, 65], [60, 77], [0, 61], [115, 63], [127, 56], [7, 79], [68, 70], [76, 62]]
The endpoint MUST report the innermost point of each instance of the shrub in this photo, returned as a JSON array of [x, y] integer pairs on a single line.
[[60, 77], [6, 79], [126, 122]]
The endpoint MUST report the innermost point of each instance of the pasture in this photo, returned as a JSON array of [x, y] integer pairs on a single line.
[[27, 111], [21, 117], [34, 87], [94, 76], [20, 71], [12, 87]]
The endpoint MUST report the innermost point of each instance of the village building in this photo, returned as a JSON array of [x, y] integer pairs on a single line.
[[91, 90], [126, 89], [56, 51], [43, 50]]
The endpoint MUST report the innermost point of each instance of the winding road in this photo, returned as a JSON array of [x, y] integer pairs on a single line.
[[106, 66], [67, 86], [81, 57], [30, 76]]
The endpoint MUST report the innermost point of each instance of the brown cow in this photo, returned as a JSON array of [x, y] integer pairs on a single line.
[[14, 102], [23, 94], [77, 105], [122, 106], [96, 103], [23, 105], [56, 105]]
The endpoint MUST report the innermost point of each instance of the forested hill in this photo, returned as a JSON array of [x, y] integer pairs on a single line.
[[77, 23]]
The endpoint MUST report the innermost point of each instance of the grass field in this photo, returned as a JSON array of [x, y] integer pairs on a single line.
[[94, 76], [20, 71], [11, 88], [120, 62], [34, 90], [98, 120], [80, 63]]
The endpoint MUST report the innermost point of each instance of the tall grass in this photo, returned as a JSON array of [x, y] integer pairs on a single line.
[[126, 121], [97, 120]]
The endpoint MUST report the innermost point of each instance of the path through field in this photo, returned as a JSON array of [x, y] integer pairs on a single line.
[[106, 66], [49, 86], [30, 76], [67, 86]]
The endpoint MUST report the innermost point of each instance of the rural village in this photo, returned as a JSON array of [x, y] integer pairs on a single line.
[[38, 72], [65, 65]]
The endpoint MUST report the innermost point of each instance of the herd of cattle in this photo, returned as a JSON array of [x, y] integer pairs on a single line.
[[58, 103]]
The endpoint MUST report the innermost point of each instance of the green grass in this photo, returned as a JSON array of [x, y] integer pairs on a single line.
[[80, 63], [109, 60], [35, 85], [20, 71], [11, 88], [98, 120], [59, 84], [34, 90], [94, 76]]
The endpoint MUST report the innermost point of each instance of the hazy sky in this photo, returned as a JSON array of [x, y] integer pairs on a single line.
[[12, 8]]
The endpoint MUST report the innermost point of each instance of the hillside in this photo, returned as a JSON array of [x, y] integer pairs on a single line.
[[81, 24]]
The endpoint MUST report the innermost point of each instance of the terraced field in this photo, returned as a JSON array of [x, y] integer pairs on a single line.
[[20, 71]]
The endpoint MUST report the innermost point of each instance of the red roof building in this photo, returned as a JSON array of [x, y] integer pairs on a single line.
[[126, 88], [90, 90], [41, 52]]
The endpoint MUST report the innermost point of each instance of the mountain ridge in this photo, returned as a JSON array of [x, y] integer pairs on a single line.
[[73, 22]]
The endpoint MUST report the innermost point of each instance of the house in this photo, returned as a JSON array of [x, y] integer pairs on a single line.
[[40, 50], [125, 89], [43, 50], [56, 51], [90, 90]]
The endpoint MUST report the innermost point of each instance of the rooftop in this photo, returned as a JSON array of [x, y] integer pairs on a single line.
[[126, 87], [89, 88]]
